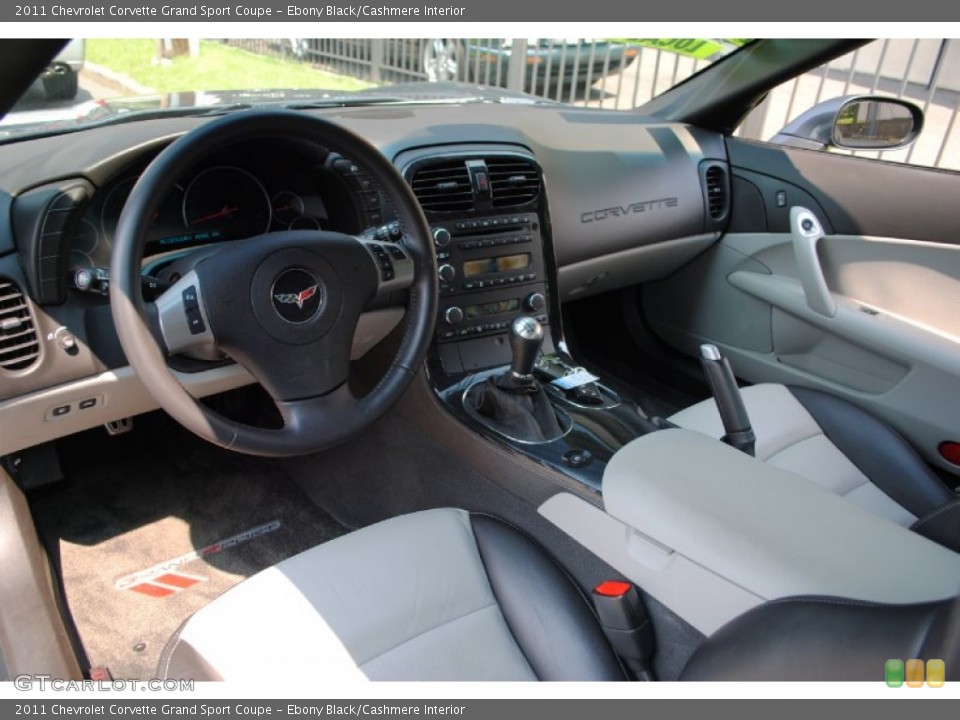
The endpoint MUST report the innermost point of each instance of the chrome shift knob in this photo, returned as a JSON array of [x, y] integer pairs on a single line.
[[526, 339]]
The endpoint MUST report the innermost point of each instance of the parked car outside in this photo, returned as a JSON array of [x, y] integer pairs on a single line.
[[61, 78]]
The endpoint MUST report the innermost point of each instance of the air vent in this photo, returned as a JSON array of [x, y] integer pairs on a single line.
[[715, 181], [443, 187], [19, 346], [513, 181]]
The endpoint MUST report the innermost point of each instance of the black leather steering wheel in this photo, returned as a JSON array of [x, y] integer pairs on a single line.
[[284, 305]]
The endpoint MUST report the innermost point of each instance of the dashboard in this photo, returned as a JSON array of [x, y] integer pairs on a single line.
[[529, 206]]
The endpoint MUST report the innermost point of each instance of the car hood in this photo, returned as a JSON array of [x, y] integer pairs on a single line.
[[94, 111]]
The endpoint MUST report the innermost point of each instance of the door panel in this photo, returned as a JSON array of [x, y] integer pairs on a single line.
[[893, 343]]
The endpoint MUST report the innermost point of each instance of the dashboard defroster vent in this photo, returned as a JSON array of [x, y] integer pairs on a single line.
[[513, 181], [19, 345], [717, 190], [444, 186]]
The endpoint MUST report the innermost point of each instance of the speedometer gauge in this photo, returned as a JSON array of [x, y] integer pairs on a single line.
[[225, 203]]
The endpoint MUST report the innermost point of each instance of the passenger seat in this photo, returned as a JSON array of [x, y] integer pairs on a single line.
[[842, 448]]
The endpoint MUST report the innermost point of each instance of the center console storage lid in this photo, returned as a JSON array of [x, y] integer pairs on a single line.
[[771, 532]]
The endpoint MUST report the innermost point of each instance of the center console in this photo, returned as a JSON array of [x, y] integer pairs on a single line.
[[490, 224], [683, 516], [688, 518]]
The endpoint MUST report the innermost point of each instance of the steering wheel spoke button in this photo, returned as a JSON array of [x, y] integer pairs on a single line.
[[195, 322], [383, 261], [191, 306], [190, 300], [394, 266]]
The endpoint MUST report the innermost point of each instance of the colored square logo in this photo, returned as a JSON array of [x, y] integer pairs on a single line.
[[914, 673], [893, 672], [936, 673]]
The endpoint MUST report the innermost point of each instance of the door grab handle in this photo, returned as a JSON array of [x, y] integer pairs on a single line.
[[806, 231]]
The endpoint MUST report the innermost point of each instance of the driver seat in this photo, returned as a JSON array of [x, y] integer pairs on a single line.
[[446, 595]]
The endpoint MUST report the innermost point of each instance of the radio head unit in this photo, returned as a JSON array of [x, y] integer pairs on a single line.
[[486, 214]]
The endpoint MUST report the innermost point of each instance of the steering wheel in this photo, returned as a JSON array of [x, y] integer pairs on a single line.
[[284, 305]]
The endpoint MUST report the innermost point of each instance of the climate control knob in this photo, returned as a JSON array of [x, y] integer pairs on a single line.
[[535, 302], [446, 273], [453, 315], [441, 237]]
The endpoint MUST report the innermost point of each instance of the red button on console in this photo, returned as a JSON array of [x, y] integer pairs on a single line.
[[612, 588], [950, 451]]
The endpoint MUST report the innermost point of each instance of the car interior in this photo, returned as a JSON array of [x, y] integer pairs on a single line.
[[476, 391]]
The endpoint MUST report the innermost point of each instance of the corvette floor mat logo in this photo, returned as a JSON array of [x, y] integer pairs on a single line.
[[167, 584], [166, 578]]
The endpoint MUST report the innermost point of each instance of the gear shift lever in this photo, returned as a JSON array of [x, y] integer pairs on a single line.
[[513, 403], [526, 339]]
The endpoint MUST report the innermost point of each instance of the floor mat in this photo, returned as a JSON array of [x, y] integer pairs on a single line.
[[152, 525]]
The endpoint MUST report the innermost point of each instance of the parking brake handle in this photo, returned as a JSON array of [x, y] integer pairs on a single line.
[[733, 413]]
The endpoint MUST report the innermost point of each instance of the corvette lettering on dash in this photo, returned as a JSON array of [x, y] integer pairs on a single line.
[[631, 209]]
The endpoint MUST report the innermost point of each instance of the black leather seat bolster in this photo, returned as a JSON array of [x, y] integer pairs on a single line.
[[824, 639], [551, 620], [942, 525], [877, 450]]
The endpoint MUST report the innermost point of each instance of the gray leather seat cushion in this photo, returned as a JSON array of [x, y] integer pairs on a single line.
[[406, 599], [818, 437], [443, 595]]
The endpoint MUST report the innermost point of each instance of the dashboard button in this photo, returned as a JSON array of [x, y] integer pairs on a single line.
[[441, 236], [453, 315], [535, 302], [577, 458], [447, 273]]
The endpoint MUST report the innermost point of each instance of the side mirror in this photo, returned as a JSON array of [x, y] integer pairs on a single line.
[[854, 122], [872, 123]]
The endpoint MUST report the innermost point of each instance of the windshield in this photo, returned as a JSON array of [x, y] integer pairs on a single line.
[[109, 80]]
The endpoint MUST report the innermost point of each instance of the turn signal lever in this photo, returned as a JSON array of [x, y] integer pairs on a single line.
[[733, 413]]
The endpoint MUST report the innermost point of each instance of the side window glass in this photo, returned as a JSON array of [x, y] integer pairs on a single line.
[[925, 72]]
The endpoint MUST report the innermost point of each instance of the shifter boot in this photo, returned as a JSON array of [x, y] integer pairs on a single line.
[[526, 416]]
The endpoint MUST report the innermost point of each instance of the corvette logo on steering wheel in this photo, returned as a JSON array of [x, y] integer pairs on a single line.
[[299, 298], [297, 295]]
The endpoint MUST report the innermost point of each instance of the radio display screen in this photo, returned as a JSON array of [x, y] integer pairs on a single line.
[[491, 308], [503, 263]]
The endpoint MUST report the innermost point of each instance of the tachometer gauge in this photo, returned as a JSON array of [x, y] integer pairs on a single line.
[[166, 221], [113, 206], [227, 203], [287, 206]]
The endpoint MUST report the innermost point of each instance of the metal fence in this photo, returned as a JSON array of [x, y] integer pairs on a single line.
[[624, 75], [600, 73]]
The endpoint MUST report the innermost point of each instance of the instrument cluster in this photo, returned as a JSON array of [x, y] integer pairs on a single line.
[[248, 191]]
